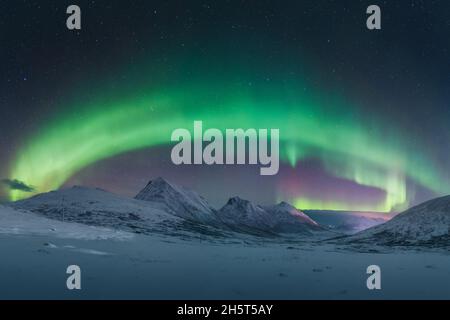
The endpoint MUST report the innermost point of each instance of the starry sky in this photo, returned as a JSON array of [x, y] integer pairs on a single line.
[[363, 115]]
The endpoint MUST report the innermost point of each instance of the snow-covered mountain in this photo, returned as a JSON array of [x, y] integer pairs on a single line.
[[163, 207], [237, 215], [101, 208], [178, 201], [243, 215], [427, 224], [288, 219]]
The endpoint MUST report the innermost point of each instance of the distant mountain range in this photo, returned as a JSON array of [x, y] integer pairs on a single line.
[[165, 208], [348, 222], [242, 215]]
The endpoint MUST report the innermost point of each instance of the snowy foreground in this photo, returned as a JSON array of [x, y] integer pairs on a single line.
[[118, 265], [169, 243]]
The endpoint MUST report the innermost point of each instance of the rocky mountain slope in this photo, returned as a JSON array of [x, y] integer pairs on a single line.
[[427, 224]]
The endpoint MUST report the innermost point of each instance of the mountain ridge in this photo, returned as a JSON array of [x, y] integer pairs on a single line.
[[161, 203], [426, 224]]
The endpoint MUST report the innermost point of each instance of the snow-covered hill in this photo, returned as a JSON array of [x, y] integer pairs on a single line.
[[16, 222], [243, 215], [101, 208], [427, 224]]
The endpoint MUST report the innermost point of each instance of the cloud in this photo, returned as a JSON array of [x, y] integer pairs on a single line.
[[15, 184]]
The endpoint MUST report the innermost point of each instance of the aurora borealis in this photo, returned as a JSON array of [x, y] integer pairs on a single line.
[[101, 131], [359, 138]]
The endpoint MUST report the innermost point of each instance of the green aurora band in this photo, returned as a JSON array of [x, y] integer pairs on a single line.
[[311, 125]]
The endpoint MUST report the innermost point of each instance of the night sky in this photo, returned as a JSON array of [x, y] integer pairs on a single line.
[[363, 115]]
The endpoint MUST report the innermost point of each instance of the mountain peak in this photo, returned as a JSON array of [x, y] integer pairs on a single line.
[[177, 200], [156, 186], [79, 187], [242, 204], [285, 205], [286, 212], [237, 200], [159, 181], [84, 189]]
